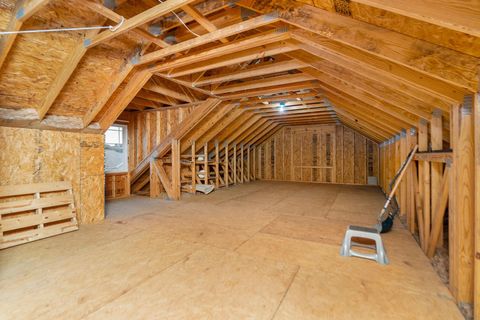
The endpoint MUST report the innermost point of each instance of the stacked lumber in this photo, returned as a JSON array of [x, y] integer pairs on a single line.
[[31, 212]]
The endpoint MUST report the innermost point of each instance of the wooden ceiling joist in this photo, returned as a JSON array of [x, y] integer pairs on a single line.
[[202, 20], [209, 37], [455, 23], [138, 20], [115, 17], [262, 83], [252, 48], [272, 90], [255, 71], [451, 68], [410, 89], [413, 77]]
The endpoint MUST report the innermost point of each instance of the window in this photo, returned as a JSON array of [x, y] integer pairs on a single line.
[[116, 149]]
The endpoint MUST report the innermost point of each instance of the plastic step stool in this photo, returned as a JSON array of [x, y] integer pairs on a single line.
[[366, 233]]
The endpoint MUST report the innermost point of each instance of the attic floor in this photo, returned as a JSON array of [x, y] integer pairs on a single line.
[[262, 250]]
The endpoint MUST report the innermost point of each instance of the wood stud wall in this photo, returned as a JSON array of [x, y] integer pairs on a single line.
[[326, 153], [440, 183]]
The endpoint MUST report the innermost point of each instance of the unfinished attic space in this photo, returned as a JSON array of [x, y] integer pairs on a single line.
[[250, 159]]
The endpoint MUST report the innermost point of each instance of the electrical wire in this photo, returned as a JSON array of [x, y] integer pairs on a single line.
[[184, 24], [111, 28]]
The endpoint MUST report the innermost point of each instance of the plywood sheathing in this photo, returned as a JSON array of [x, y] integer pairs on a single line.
[[36, 59], [154, 258], [33, 156]]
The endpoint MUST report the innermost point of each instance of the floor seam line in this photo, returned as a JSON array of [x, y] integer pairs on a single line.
[[140, 283], [285, 293]]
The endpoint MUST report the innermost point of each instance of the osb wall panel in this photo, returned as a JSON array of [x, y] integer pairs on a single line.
[[326, 153], [33, 156]]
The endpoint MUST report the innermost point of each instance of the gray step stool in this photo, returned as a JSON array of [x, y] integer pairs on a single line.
[[367, 233]]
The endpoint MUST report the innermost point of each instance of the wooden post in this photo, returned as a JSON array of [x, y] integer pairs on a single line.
[[225, 170], [464, 238], [242, 173], [235, 163], [436, 136], [217, 166], [452, 200], [155, 184], [254, 163], [248, 164], [424, 178], [476, 113], [412, 141], [403, 186], [176, 185], [205, 164], [194, 168]]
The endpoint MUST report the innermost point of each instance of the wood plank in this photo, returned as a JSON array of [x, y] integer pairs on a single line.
[[439, 208], [30, 189]]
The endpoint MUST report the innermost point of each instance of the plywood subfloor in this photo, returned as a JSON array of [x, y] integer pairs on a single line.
[[263, 250]]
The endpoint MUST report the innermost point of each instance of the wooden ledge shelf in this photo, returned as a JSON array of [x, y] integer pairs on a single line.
[[434, 156]]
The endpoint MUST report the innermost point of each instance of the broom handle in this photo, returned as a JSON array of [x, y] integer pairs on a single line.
[[403, 169]]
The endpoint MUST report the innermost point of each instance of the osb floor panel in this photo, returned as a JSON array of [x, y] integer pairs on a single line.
[[262, 250]]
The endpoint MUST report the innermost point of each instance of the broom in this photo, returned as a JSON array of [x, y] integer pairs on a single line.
[[385, 219]]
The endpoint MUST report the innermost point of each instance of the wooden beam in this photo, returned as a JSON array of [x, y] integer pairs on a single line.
[[399, 118], [413, 89], [436, 139], [406, 74], [452, 68], [262, 83], [271, 90], [226, 166], [115, 17], [439, 207], [155, 183], [202, 20], [138, 20], [389, 96], [438, 156], [454, 22], [209, 37], [23, 11], [163, 89], [120, 101], [372, 97], [258, 70], [176, 166], [245, 44]]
